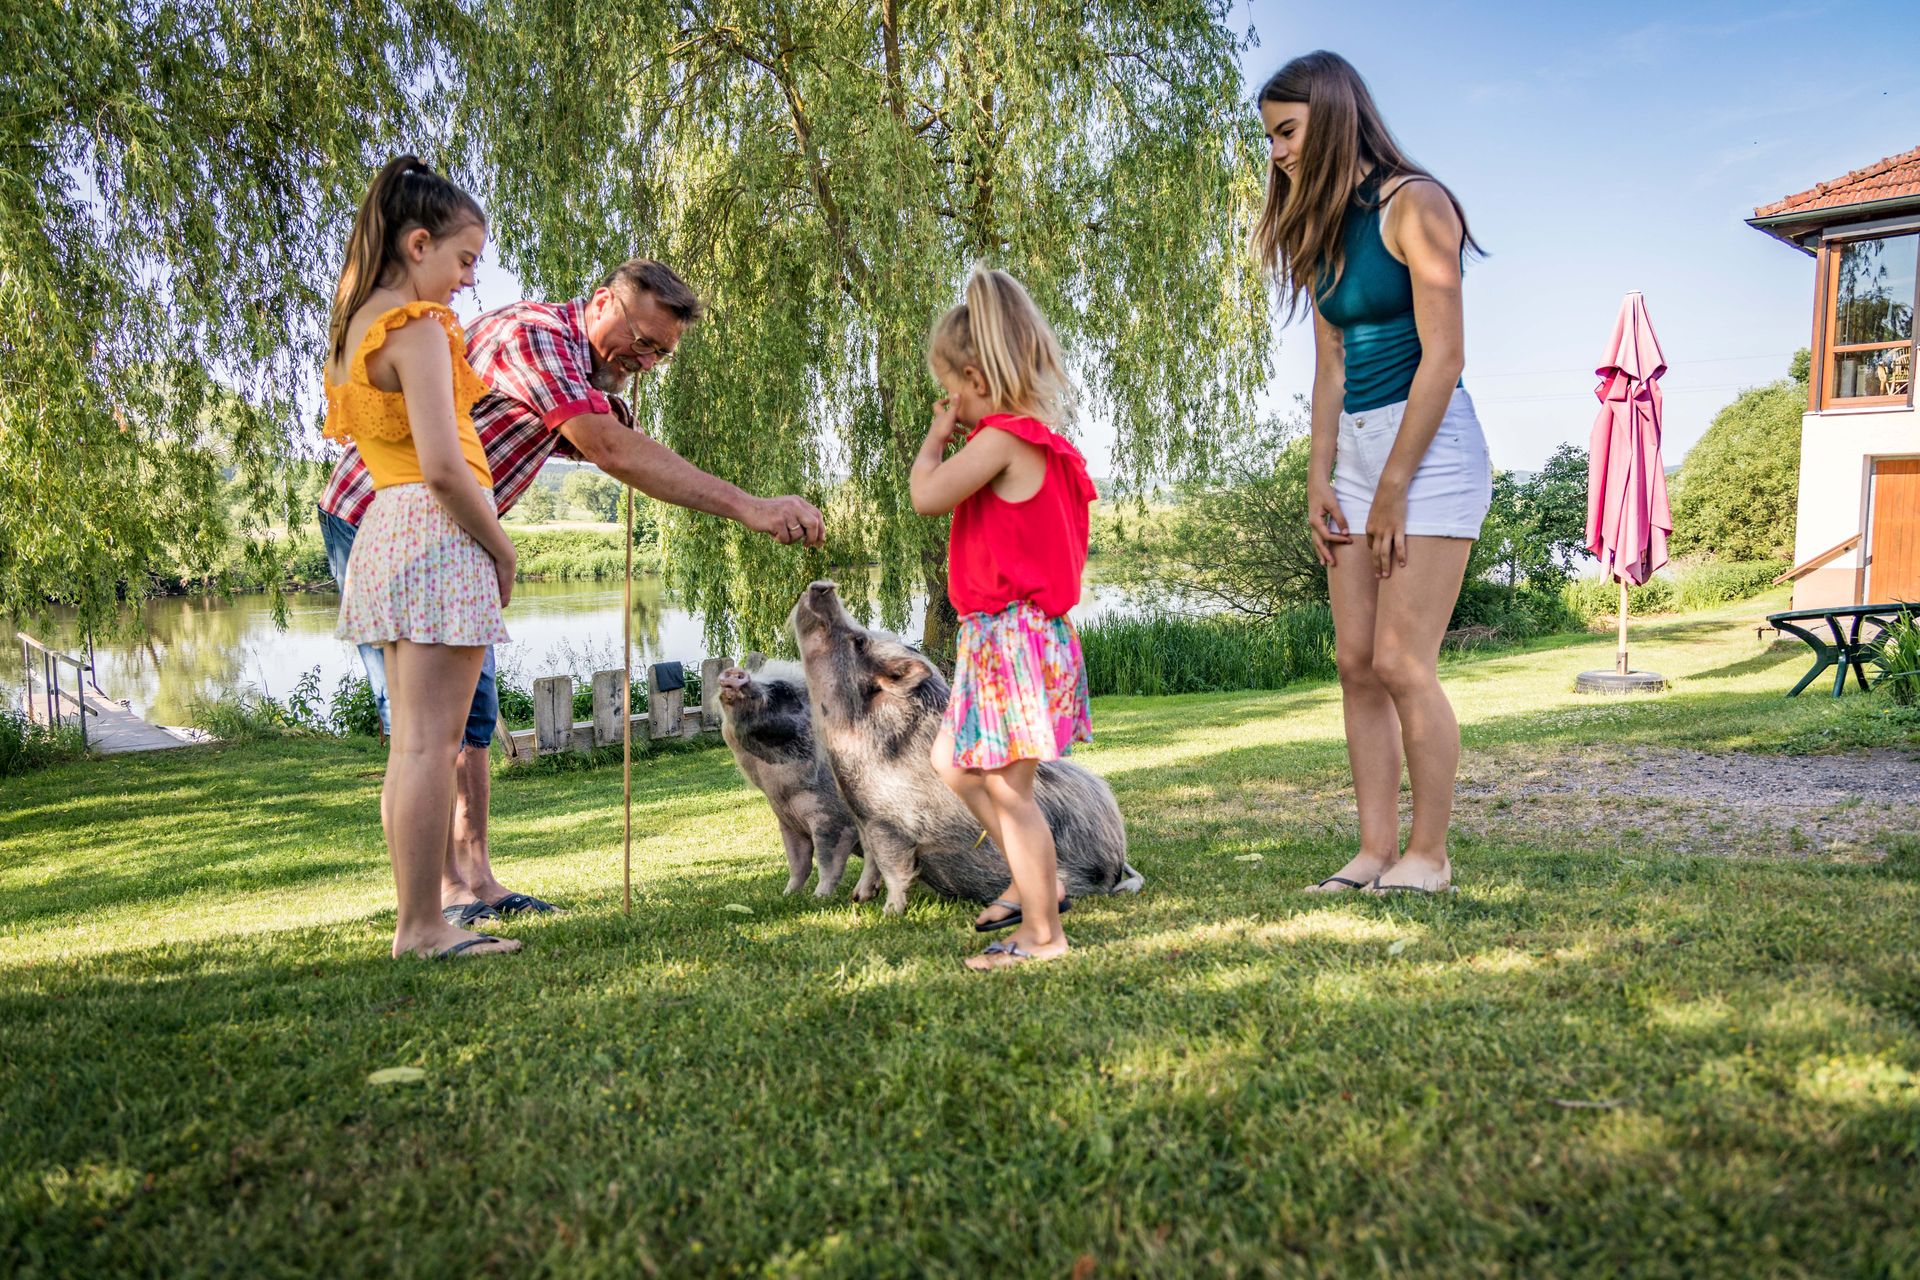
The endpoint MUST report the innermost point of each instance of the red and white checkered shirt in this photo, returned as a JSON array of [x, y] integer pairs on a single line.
[[535, 359]]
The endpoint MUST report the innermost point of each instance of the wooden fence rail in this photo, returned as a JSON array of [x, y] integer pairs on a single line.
[[667, 716]]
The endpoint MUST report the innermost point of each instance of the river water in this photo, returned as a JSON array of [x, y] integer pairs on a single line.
[[197, 648]]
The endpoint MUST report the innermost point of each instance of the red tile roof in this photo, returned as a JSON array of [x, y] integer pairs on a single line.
[[1887, 179]]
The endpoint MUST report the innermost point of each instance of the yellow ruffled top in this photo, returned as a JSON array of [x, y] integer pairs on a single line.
[[376, 420]]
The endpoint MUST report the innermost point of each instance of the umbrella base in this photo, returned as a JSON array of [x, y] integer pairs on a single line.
[[1616, 682]]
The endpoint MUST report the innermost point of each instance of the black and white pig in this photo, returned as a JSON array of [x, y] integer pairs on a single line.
[[876, 707], [765, 719]]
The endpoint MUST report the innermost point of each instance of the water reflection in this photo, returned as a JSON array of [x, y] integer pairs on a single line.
[[198, 647]]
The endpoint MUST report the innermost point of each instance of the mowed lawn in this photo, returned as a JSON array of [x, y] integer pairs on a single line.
[[1600, 1057]]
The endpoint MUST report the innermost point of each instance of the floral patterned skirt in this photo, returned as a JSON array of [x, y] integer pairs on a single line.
[[1019, 689], [416, 575]]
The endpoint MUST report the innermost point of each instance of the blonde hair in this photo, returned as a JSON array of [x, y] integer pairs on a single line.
[[405, 195], [1000, 332]]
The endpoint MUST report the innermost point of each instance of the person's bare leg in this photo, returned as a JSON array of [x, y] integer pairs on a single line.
[[467, 847], [1036, 873], [1415, 605], [1373, 727], [429, 687], [970, 785]]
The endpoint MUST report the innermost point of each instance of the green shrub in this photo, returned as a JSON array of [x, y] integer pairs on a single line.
[[240, 717], [354, 712], [1696, 586], [1720, 581], [1171, 653], [1737, 488], [1521, 613], [25, 746], [578, 554], [1896, 653], [1590, 598]]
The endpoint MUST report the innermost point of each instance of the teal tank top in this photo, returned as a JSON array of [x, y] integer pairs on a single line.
[[1372, 306]]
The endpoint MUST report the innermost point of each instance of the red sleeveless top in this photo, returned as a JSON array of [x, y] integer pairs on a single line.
[[1001, 552]]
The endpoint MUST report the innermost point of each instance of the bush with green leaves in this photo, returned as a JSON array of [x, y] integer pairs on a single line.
[[592, 494], [1711, 582], [1735, 495], [353, 711]]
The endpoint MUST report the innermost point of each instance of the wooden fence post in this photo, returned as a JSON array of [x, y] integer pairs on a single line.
[[606, 706], [710, 692], [663, 705], [552, 714]]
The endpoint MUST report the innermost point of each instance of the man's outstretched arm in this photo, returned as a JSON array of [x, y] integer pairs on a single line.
[[635, 458]]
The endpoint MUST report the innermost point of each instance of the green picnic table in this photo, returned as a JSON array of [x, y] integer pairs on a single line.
[[1847, 647]]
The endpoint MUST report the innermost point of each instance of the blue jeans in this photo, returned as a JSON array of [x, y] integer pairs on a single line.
[[338, 536]]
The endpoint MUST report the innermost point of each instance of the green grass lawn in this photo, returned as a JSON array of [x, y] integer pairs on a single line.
[[1590, 1061]]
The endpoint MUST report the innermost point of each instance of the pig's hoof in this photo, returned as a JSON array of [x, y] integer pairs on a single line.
[[793, 886]]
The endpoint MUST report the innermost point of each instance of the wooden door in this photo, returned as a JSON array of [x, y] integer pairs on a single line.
[[1893, 557]]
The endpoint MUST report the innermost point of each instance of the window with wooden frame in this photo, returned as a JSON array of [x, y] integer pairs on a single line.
[[1867, 343]]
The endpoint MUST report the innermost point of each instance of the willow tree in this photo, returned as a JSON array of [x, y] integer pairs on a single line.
[[176, 177], [825, 171]]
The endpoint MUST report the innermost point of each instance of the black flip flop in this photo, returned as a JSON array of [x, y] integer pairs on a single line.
[[1351, 884], [1008, 922], [459, 947], [514, 903], [464, 915], [1385, 889]]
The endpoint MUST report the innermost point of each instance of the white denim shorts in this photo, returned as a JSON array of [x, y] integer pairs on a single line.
[[1451, 491]]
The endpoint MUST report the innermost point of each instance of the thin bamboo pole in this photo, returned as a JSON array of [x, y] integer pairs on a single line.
[[1620, 652], [626, 714]]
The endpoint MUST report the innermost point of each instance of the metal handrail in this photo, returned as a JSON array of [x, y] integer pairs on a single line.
[[50, 660]]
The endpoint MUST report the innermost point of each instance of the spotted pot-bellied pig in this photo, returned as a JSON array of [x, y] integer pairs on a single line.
[[876, 707], [765, 719]]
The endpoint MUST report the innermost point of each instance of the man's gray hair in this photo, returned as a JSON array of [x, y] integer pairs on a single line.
[[636, 276]]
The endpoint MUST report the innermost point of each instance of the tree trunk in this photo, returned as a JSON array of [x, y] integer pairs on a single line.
[[940, 630]]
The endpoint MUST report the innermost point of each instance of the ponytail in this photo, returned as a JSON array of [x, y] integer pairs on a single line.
[[405, 195], [1000, 332]]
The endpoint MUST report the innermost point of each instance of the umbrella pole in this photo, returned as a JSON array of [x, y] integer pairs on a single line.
[[626, 715], [1620, 652]]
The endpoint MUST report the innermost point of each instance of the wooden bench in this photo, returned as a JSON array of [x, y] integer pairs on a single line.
[[1847, 647]]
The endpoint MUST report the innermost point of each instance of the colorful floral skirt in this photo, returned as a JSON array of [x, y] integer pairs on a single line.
[[416, 575], [1019, 689]]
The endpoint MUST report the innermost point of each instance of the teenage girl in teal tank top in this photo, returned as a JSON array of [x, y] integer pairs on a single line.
[[1399, 478]]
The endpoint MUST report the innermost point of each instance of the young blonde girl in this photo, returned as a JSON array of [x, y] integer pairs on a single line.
[[431, 568], [1019, 494]]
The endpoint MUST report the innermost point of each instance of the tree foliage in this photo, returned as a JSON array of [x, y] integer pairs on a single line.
[[1236, 541], [594, 494], [175, 183], [1536, 527], [824, 171], [1736, 495]]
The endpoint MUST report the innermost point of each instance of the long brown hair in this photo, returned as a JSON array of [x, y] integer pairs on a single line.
[[999, 331], [1297, 239], [405, 195]]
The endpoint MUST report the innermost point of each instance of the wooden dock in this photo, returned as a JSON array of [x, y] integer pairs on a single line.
[[108, 727]]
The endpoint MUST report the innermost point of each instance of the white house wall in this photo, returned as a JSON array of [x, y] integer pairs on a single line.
[[1837, 452]]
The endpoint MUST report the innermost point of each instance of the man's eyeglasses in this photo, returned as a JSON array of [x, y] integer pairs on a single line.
[[639, 348]]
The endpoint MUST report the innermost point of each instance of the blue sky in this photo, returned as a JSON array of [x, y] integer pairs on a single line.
[[1596, 154]]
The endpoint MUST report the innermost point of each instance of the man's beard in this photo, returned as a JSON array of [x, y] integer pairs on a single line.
[[606, 378]]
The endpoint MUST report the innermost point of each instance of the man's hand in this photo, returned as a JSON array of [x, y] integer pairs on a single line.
[[787, 519]]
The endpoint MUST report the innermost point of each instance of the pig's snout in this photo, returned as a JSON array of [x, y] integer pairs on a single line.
[[733, 682]]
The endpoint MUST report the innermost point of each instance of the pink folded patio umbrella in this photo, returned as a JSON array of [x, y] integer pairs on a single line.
[[1628, 518]]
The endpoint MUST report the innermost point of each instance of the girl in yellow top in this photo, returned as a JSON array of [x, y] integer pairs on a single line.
[[431, 567]]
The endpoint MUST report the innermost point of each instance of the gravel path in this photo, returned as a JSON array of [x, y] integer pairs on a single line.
[[1735, 804]]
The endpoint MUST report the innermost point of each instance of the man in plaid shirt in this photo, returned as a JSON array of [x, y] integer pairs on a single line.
[[550, 368]]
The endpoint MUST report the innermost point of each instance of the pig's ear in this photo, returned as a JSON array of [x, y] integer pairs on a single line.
[[903, 674]]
